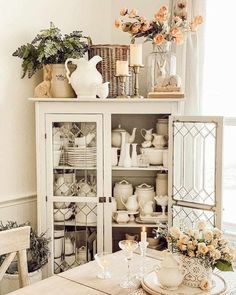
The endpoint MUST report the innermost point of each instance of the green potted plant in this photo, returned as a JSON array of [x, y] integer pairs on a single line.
[[37, 257], [49, 50]]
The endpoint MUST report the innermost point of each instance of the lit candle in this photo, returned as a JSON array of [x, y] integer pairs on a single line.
[[136, 54], [122, 68], [143, 235]]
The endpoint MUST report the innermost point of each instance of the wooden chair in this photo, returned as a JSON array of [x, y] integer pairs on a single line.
[[15, 241]]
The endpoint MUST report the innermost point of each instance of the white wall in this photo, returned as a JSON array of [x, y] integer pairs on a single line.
[[145, 8], [20, 20]]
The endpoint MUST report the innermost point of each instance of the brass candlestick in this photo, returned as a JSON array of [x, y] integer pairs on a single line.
[[122, 84], [136, 69]]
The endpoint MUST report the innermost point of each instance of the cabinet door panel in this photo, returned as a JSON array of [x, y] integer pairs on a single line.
[[195, 178], [74, 157]]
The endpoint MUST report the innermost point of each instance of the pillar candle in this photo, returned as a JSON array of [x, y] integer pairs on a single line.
[[122, 68], [143, 235], [136, 54]]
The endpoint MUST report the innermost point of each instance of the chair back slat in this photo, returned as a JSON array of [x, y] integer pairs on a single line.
[[15, 239]]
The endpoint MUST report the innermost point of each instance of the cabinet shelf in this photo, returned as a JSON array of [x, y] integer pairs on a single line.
[[149, 168], [72, 222], [133, 224], [75, 168]]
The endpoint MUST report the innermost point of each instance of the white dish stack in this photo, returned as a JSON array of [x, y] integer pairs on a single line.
[[82, 156]]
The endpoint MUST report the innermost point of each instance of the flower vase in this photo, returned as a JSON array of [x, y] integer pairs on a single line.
[[134, 156], [127, 159], [161, 62], [195, 271], [122, 151]]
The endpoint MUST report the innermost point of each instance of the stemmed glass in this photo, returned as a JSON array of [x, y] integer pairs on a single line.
[[129, 246], [103, 261]]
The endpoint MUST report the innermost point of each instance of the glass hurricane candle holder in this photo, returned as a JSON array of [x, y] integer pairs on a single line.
[[143, 250]]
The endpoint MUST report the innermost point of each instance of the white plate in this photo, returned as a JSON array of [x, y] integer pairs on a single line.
[[152, 286], [155, 217]]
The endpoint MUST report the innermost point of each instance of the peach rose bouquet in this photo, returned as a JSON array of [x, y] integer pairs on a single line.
[[208, 246], [165, 26]]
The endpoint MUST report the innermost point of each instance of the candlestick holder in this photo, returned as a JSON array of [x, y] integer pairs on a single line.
[[143, 250], [122, 83], [136, 69]]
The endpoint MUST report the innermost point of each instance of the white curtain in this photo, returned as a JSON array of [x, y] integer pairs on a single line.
[[190, 58]]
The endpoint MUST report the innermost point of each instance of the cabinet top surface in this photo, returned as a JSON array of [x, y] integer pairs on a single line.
[[107, 100]]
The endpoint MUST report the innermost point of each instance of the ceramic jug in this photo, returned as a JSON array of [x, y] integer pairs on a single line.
[[159, 141], [131, 204], [147, 134], [147, 207], [86, 78], [170, 274]]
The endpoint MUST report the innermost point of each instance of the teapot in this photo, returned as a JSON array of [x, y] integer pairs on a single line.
[[147, 207], [86, 78], [159, 141], [131, 204], [84, 140], [147, 134], [116, 136], [170, 274], [121, 216]]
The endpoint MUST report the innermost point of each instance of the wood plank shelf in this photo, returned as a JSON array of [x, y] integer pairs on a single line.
[[134, 224]]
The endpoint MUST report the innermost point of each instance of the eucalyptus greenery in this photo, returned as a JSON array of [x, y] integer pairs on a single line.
[[50, 47], [37, 254]]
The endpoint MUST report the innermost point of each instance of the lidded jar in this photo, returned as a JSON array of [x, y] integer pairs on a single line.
[[145, 192], [162, 184], [122, 189], [162, 127]]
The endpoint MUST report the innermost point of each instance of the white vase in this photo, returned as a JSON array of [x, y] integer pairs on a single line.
[[134, 156], [122, 151], [195, 270], [127, 159]]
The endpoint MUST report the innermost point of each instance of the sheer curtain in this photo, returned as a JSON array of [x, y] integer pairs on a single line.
[[190, 60]]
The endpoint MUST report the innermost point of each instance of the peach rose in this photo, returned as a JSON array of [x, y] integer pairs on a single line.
[[216, 254], [142, 19], [211, 248], [184, 239], [217, 232], [201, 225], [202, 248], [175, 232], [198, 20], [191, 246], [175, 31], [193, 27], [123, 11], [133, 13], [208, 235], [205, 285], [181, 4], [164, 9], [158, 39], [160, 17], [135, 28], [118, 23], [191, 253]]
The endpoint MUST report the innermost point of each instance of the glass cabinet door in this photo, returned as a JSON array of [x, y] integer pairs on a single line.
[[74, 188], [195, 178]]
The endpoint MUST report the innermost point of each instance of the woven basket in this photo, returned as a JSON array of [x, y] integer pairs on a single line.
[[107, 67]]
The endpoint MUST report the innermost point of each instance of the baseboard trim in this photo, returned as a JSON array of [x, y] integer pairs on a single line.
[[19, 201]]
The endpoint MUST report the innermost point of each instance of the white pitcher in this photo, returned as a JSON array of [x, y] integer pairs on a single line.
[[131, 204], [86, 78], [147, 208]]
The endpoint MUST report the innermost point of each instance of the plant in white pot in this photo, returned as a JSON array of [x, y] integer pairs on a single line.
[[37, 257], [49, 50]]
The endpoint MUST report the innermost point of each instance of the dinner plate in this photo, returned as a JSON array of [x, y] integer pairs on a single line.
[[151, 284], [151, 221], [156, 216]]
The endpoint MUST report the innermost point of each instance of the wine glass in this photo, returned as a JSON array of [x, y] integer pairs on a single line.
[[129, 246], [103, 261]]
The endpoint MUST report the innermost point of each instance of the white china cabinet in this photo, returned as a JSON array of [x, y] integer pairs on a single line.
[[76, 179]]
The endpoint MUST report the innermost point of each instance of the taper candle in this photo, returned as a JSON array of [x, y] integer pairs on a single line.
[[143, 235]]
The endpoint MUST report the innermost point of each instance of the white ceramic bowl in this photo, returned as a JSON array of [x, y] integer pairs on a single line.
[[86, 213], [155, 156], [62, 214]]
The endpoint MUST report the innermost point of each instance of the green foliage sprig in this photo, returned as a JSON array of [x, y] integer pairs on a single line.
[[50, 47]]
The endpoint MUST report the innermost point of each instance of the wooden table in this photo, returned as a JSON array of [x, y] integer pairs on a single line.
[[82, 280]]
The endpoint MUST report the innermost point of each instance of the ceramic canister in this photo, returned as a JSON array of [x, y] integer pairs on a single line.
[[122, 189], [162, 184], [162, 127], [145, 192]]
